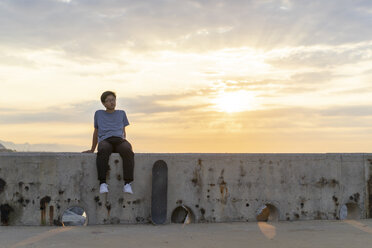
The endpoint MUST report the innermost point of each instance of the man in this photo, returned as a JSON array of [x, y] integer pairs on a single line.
[[109, 133]]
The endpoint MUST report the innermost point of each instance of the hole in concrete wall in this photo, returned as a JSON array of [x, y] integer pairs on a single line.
[[182, 214], [267, 212], [74, 216], [51, 214], [5, 211], [349, 211]]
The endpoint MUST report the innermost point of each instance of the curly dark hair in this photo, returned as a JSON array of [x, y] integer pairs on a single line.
[[106, 94]]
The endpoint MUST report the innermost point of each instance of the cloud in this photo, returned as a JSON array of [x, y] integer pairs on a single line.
[[96, 29], [74, 113], [321, 56], [359, 91], [11, 60], [158, 104], [312, 78], [348, 111], [297, 83], [83, 112]]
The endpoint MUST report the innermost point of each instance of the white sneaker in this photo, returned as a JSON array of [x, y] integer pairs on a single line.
[[103, 188], [127, 188]]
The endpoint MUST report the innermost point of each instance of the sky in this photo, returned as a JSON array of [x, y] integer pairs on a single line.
[[239, 76]]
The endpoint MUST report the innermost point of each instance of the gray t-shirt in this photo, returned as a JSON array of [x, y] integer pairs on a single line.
[[110, 124]]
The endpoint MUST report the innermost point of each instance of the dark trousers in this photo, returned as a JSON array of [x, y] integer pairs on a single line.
[[121, 146]]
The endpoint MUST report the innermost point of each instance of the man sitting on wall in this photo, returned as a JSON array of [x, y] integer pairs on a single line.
[[109, 133]]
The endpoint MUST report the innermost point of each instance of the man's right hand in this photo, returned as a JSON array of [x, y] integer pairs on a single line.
[[88, 151]]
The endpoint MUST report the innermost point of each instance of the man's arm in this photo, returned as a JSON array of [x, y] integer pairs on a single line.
[[125, 135], [94, 142]]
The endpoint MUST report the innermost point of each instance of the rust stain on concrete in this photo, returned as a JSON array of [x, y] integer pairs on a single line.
[[2, 185], [369, 190], [323, 182], [223, 188], [43, 206]]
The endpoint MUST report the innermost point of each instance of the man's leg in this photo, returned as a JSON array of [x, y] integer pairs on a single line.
[[127, 155], [104, 151]]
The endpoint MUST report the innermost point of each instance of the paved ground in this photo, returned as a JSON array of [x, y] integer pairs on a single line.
[[314, 234]]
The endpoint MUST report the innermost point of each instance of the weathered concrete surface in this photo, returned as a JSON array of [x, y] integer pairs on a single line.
[[298, 234], [36, 188]]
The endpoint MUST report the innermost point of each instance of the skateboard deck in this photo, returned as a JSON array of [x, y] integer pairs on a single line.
[[159, 192]]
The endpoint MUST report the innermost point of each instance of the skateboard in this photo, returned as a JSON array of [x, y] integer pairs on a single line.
[[159, 192]]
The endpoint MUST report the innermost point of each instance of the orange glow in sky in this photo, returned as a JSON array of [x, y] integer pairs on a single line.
[[191, 76]]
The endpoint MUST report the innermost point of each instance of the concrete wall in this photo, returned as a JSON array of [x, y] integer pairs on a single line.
[[36, 188]]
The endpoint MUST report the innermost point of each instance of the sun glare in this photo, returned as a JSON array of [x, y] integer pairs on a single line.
[[236, 101]]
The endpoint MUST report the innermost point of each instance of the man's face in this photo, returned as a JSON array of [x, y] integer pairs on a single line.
[[110, 102]]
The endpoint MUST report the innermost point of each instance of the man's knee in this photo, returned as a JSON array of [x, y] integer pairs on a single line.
[[124, 148]]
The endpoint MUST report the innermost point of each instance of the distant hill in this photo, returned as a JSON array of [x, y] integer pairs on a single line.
[[4, 149], [41, 147]]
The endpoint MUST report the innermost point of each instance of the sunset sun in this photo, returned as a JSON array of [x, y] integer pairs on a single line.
[[235, 101]]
